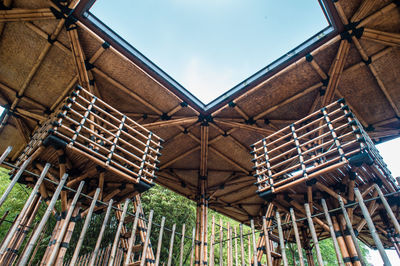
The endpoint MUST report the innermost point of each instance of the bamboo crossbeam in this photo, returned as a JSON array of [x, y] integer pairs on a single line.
[[172, 122], [385, 38], [20, 14], [377, 14], [244, 126]]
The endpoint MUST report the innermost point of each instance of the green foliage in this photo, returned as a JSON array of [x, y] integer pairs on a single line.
[[175, 208]]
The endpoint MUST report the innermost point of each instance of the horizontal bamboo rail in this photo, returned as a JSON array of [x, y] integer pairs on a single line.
[[317, 144]]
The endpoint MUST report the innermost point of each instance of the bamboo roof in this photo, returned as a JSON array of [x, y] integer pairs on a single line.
[[41, 62]]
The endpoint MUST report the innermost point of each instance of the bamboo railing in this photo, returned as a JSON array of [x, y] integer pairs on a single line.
[[326, 140], [93, 129]]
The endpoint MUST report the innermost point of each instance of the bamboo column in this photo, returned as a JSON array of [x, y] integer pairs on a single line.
[[182, 246], [212, 241], [171, 245], [350, 229], [388, 209], [297, 236], [25, 256], [118, 233], [371, 227], [133, 237], [332, 232], [313, 234], [242, 244], [193, 246], [281, 240], [146, 242], [101, 234], [221, 237]]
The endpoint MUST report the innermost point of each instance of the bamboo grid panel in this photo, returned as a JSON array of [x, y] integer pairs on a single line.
[[330, 139], [94, 129]]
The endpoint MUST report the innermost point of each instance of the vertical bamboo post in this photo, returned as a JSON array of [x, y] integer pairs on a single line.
[[332, 232], [241, 243], [53, 255], [297, 236], [236, 248], [85, 227], [371, 227], [388, 209], [182, 245], [221, 236], [249, 248], [281, 240], [350, 228], [146, 242], [171, 245], [266, 242], [313, 234], [193, 246], [36, 234], [101, 234], [118, 233], [28, 203], [255, 262], [229, 238], [14, 181], [212, 241], [133, 234], [160, 236]]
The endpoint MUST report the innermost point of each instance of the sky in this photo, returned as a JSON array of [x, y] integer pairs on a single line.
[[209, 46]]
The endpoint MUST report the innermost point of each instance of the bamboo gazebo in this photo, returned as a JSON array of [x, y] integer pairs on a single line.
[[86, 115]]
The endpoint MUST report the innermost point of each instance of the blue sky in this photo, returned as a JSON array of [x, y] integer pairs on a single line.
[[209, 46]]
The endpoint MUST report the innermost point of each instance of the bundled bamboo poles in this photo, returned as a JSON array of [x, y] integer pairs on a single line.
[[19, 14]]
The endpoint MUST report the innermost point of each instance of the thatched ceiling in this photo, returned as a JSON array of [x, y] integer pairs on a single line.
[[38, 67]]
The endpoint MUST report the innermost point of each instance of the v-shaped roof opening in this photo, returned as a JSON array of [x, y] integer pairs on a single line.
[[209, 47]]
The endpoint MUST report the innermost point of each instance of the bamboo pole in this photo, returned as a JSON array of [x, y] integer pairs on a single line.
[[229, 238], [118, 233], [297, 236], [14, 181], [22, 213], [133, 236], [281, 240], [36, 234], [313, 234], [5, 154], [64, 227], [241, 244], [371, 227], [212, 241], [85, 227], [182, 245], [350, 228], [146, 242], [160, 236], [236, 249], [255, 260], [332, 232], [221, 237], [193, 246], [171, 245], [266, 242], [101, 234], [388, 209]]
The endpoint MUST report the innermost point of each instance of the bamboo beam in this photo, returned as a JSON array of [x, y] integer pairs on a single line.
[[377, 14], [169, 123], [20, 14], [244, 126], [382, 37], [6, 4], [132, 94], [363, 9]]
